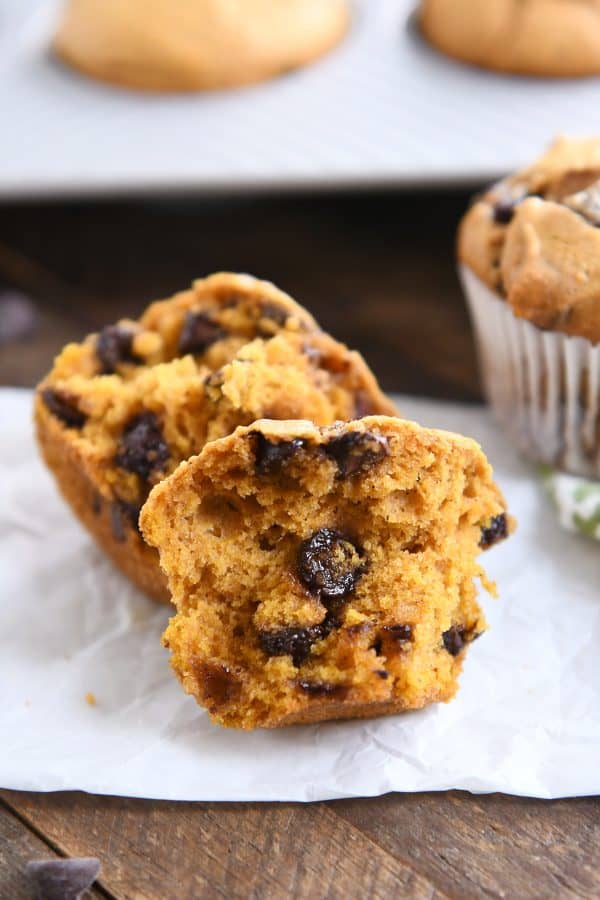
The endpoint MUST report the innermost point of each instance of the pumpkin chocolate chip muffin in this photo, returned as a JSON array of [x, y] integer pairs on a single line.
[[529, 250], [119, 411], [359, 544], [529, 37]]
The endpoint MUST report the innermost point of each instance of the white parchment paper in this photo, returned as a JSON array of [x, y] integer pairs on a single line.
[[526, 720]]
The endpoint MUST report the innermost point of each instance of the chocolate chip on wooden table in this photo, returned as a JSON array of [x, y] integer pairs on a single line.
[[114, 346], [295, 642], [356, 452], [454, 639], [64, 407], [62, 879], [142, 449], [329, 564], [496, 531], [271, 456], [198, 333]]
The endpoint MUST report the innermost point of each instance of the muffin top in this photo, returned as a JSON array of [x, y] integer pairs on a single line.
[[534, 238]]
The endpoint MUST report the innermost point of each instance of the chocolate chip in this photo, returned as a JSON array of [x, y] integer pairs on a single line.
[[217, 682], [123, 514], [454, 639], [356, 451], [496, 531], [329, 564], [274, 313], [323, 688], [503, 211], [400, 633], [114, 346], [382, 673], [62, 879], [198, 333], [294, 642], [271, 456], [142, 449], [64, 407]]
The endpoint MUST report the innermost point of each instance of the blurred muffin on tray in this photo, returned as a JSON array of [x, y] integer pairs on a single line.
[[190, 45], [529, 252], [537, 37]]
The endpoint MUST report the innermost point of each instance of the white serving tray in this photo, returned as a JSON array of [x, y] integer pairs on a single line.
[[381, 110]]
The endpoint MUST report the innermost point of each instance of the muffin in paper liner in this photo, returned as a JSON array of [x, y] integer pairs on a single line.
[[543, 386]]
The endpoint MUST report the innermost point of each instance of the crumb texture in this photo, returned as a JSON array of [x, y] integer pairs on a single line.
[[323, 573]]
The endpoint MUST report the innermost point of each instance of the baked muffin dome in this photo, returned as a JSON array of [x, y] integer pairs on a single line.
[[530, 37], [189, 45], [534, 239]]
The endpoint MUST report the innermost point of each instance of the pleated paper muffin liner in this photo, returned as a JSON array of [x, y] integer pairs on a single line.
[[543, 386]]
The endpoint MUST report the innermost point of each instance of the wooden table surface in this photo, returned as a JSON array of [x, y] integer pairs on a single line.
[[378, 271]]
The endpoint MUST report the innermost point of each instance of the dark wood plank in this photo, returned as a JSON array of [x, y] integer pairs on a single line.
[[372, 269], [19, 845], [184, 850], [492, 846]]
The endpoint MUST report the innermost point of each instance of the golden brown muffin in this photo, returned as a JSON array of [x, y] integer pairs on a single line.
[[530, 37], [324, 573], [190, 45], [533, 238], [119, 411]]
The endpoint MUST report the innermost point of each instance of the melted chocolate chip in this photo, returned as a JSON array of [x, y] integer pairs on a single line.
[[400, 633], [323, 688], [64, 407], [271, 456], [294, 642], [122, 515], [329, 565], [62, 879], [142, 449], [274, 313], [503, 211], [114, 346], [217, 682], [382, 673], [356, 452], [198, 333], [496, 531], [454, 639]]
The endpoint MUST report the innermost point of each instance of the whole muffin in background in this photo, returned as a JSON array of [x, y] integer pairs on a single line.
[[529, 250], [119, 411], [190, 45], [555, 38]]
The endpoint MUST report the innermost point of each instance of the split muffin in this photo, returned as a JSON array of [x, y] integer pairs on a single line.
[[360, 545], [119, 411], [529, 251]]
